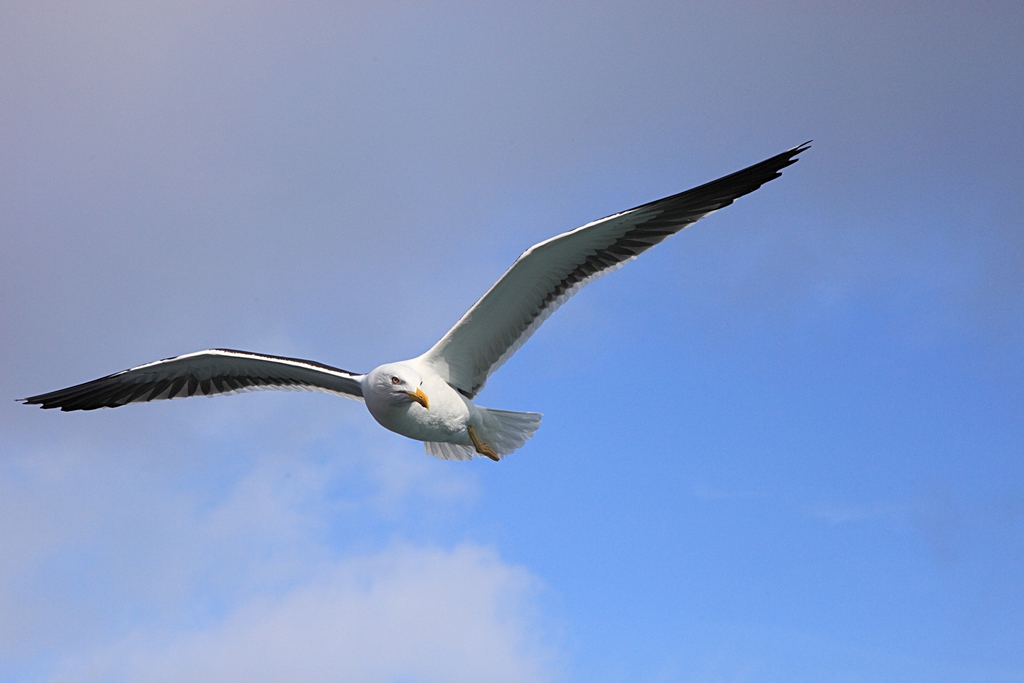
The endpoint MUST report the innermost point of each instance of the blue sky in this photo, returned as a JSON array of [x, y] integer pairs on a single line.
[[786, 445]]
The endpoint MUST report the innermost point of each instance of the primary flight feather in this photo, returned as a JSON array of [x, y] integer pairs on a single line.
[[429, 398]]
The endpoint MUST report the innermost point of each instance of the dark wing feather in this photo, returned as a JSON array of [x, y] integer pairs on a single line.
[[205, 373], [547, 274]]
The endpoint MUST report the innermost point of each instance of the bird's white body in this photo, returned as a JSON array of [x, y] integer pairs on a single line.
[[429, 398], [446, 419]]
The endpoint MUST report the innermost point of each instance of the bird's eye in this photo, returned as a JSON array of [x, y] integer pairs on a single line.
[[395, 380]]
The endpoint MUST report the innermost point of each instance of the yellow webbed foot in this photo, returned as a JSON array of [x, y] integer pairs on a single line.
[[481, 447]]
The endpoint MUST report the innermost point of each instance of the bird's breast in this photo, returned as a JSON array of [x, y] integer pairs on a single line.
[[445, 420]]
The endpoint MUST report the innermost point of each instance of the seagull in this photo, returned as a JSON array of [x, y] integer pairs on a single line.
[[430, 398]]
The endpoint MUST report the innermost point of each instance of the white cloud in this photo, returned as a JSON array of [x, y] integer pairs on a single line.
[[122, 562], [406, 614]]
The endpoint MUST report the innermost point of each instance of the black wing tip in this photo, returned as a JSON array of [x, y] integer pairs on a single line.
[[796, 151], [762, 172], [787, 158], [44, 402], [735, 185]]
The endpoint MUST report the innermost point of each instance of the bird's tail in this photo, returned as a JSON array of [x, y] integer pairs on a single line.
[[502, 430], [505, 430]]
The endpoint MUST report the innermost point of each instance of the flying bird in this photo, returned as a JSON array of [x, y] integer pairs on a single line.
[[430, 398]]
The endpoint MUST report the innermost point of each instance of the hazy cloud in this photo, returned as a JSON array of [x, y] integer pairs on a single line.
[[407, 614], [133, 581]]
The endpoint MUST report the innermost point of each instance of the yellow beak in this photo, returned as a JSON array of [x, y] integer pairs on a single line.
[[419, 397]]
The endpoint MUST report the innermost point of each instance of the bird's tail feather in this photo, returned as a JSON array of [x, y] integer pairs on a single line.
[[502, 430], [506, 430]]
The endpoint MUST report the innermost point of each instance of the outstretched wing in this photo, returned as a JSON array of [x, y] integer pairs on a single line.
[[204, 373], [547, 274]]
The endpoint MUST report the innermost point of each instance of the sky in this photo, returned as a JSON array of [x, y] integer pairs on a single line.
[[785, 445]]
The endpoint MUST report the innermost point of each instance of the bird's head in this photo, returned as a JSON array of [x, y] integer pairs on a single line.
[[397, 384]]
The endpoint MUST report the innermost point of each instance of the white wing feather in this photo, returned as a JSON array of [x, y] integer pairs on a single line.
[[549, 273]]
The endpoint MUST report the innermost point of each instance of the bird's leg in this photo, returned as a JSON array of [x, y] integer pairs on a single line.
[[481, 447]]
